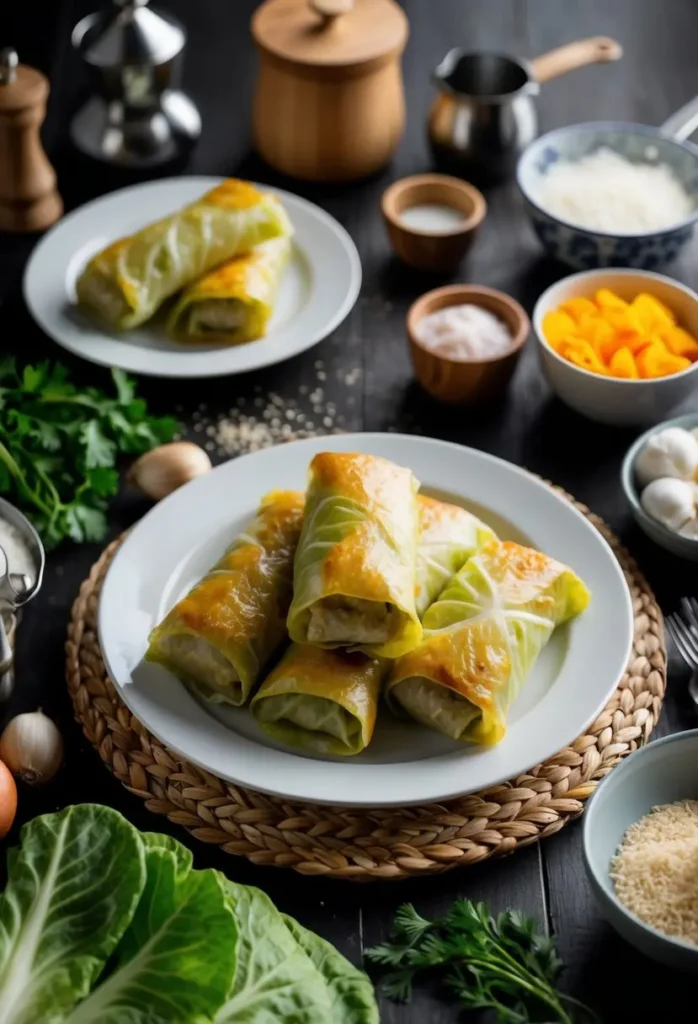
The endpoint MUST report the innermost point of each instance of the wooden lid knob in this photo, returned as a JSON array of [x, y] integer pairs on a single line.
[[331, 9]]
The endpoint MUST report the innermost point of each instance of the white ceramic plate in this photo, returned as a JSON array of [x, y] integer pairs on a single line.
[[319, 288], [184, 535]]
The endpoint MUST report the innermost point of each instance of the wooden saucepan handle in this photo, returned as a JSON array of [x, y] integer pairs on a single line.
[[596, 50], [329, 10]]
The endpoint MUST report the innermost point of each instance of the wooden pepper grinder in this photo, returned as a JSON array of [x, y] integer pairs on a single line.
[[28, 197]]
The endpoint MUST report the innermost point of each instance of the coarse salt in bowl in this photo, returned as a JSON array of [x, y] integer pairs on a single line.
[[610, 399], [464, 376], [584, 247], [465, 331]]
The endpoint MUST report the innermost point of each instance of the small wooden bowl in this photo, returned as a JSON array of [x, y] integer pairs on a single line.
[[466, 380], [425, 250]]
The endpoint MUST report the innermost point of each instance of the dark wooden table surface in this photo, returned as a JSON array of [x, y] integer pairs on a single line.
[[658, 74]]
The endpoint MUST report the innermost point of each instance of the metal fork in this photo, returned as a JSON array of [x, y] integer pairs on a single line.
[[683, 629]]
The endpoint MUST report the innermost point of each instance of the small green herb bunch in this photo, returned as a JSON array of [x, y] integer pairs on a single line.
[[59, 446], [489, 963]]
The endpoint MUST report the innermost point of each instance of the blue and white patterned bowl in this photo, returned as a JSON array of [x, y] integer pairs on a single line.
[[584, 249]]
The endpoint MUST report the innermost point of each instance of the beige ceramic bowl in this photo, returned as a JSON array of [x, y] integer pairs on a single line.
[[466, 380], [425, 250]]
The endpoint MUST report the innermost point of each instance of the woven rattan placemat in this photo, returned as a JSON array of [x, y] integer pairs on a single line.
[[363, 844]]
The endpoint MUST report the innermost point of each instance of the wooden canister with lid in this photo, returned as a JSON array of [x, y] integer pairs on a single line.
[[329, 104]]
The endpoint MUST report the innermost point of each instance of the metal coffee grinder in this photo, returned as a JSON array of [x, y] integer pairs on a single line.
[[138, 117]]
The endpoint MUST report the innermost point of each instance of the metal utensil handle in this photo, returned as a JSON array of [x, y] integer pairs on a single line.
[[683, 123], [6, 655], [596, 50]]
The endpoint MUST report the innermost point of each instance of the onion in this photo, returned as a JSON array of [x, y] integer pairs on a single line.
[[8, 800], [32, 747], [161, 471]]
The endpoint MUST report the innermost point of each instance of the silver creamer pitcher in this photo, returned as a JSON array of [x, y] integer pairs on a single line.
[[485, 114]]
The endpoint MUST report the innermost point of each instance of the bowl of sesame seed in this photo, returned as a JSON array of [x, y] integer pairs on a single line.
[[641, 849]]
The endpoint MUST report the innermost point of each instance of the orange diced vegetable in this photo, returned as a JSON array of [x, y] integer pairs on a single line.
[[557, 325], [622, 364], [578, 308], [650, 314], [612, 337], [655, 361], [680, 342], [582, 354], [607, 300]]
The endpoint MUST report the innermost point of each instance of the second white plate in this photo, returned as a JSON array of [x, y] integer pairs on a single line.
[[318, 290], [175, 544]]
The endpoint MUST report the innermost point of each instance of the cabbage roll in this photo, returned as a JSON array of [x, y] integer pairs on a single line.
[[232, 304], [481, 638], [322, 701], [130, 279], [448, 536], [354, 574], [218, 639]]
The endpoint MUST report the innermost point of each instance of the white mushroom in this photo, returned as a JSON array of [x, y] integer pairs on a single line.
[[671, 452], [670, 501]]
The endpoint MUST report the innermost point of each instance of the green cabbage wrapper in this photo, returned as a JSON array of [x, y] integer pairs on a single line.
[[218, 639], [234, 303], [129, 280], [354, 573], [448, 536], [481, 639], [320, 700]]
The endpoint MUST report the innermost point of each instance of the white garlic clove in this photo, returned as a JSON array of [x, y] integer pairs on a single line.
[[162, 470], [669, 453], [670, 501]]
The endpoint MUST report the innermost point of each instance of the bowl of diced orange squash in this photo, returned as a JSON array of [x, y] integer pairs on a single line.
[[619, 346]]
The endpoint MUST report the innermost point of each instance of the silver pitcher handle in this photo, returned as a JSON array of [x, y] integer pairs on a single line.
[[683, 123]]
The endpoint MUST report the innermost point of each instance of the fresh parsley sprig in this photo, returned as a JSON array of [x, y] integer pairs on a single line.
[[490, 963], [59, 445]]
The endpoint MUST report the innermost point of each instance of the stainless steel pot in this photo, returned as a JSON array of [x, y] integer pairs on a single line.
[[485, 114]]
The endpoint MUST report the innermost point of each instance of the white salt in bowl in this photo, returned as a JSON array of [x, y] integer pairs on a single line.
[[662, 772], [581, 247], [629, 403]]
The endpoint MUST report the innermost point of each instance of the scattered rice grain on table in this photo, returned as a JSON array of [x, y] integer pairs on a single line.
[[265, 419], [655, 871]]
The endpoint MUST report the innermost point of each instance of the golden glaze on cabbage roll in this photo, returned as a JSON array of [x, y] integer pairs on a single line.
[[448, 536], [129, 280], [354, 574], [218, 639], [319, 700], [481, 639], [232, 304]]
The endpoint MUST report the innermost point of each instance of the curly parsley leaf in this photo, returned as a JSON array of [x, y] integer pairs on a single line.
[[59, 445], [489, 963]]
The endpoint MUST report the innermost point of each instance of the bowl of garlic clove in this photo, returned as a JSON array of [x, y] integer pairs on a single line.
[[660, 481]]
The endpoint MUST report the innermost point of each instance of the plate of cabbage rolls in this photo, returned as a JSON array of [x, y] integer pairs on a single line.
[[193, 277], [367, 619]]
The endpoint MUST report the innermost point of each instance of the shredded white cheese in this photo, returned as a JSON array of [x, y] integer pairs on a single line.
[[655, 871], [605, 192]]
